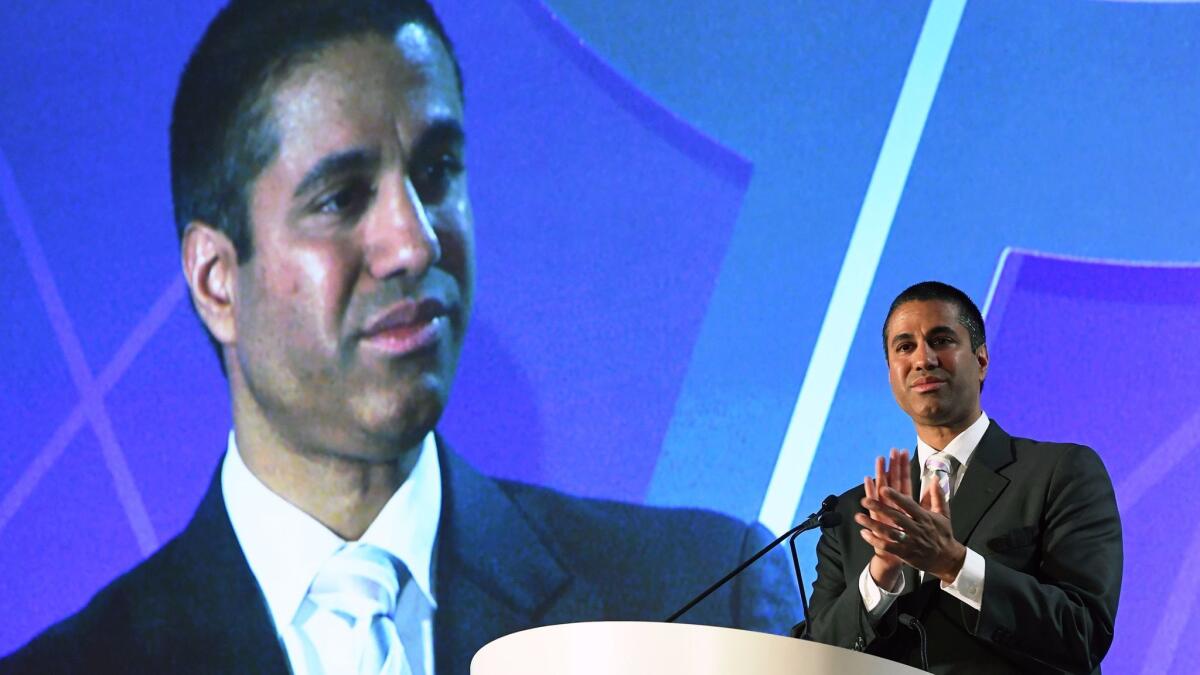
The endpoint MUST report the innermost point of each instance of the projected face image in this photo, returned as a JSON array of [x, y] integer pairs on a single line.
[[935, 376], [350, 314]]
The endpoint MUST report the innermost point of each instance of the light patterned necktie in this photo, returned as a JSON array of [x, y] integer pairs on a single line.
[[360, 585], [941, 467]]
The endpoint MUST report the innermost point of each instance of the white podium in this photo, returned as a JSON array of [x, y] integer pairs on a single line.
[[644, 648]]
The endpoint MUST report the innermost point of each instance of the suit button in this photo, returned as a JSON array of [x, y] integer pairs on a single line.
[[859, 645]]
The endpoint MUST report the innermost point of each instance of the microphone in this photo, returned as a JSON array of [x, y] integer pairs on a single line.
[[909, 621], [823, 517], [827, 506]]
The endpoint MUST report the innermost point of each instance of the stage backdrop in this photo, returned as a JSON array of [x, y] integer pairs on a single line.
[[691, 218]]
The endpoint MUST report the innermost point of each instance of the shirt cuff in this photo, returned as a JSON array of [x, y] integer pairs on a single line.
[[968, 585], [875, 599]]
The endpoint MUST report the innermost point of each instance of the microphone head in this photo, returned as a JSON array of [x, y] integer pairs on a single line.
[[830, 519], [829, 503]]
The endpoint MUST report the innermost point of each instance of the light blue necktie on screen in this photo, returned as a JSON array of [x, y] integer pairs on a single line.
[[361, 585]]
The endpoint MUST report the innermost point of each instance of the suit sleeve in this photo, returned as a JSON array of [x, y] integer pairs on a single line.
[[838, 615], [766, 598], [1063, 615]]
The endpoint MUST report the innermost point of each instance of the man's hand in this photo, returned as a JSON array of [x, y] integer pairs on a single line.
[[885, 567], [918, 534]]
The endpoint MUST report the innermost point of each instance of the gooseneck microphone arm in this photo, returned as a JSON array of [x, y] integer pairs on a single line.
[[824, 517], [911, 622]]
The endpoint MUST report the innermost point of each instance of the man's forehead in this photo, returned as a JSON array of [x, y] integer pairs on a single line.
[[366, 84], [419, 44], [369, 63], [925, 316]]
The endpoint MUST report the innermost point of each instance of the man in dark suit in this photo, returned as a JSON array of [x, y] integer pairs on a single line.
[[1010, 558], [319, 178], [510, 556]]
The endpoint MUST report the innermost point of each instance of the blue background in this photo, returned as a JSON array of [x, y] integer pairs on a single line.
[[666, 197]]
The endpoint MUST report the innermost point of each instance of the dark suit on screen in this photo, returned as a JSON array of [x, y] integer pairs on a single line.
[[1044, 518], [509, 556]]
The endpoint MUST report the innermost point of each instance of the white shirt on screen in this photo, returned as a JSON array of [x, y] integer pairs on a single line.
[[968, 585], [285, 548]]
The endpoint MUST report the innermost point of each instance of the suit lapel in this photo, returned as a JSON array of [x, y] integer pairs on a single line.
[[981, 485], [495, 575], [217, 614]]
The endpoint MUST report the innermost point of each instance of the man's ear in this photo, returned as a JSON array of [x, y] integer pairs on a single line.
[[981, 356], [210, 266]]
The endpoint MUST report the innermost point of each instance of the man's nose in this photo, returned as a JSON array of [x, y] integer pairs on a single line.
[[399, 239], [925, 356]]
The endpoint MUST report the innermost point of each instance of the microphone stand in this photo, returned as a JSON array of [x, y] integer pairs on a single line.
[[800, 582], [824, 517]]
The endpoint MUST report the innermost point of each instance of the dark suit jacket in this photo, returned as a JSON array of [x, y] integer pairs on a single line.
[[1044, 518], [509, 557]]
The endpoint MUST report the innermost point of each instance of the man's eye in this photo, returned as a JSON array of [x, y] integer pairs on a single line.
[[904, 347], [432, 178], [346, 200]]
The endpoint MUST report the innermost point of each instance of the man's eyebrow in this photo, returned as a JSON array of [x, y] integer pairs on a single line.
[[338, 163], [442, 131], [932, 332]]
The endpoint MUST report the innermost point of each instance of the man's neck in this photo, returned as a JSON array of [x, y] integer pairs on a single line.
[[938, 436], [343, 494], [342, 491]]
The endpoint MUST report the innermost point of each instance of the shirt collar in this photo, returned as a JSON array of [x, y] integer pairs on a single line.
[[407, 526], [961, 448], [285, 547]]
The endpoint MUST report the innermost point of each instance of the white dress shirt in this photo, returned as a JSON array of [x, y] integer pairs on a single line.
[[285, 548], [968, 585]]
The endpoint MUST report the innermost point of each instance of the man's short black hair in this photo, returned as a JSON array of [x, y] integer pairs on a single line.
[[222, 135], [968, 314], [221, 132]]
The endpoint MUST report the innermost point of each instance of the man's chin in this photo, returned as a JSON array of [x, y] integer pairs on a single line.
[[400, 422], [930, 416]]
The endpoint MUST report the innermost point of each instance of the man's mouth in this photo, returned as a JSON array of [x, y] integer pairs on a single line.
[[927, 384], [407, 327]]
